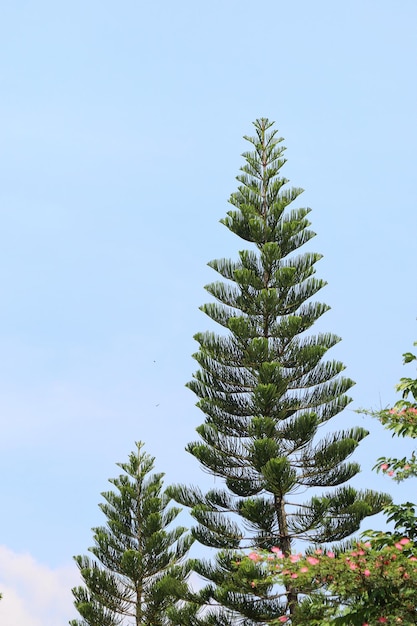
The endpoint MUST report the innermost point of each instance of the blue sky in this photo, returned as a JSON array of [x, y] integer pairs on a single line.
[[121, 132]]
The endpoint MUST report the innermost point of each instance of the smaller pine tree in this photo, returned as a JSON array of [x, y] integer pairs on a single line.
[[138, 572]]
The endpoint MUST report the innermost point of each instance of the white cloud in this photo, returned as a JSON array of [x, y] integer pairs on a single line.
[[35, 594]]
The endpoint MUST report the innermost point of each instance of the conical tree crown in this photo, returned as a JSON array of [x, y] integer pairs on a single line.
[[265, 387], [137, 573]]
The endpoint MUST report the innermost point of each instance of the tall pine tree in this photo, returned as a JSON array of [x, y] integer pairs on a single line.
[[266, 390], [137, 574]]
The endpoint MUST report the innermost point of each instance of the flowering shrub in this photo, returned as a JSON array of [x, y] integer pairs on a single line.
[[402, 420], [363, 586]]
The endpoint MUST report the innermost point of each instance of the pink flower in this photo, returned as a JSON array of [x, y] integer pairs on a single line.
[[330, 554], [283, 619], [367, 544], [384, 466], [305, 569], [399, 546], [278, 552], [404, 541], [254, 556], [367, 572], [295, 557], [391, 473], [318, 551], [312, 560], [382, 620], [352, 566], [407, 467], [294, 575]]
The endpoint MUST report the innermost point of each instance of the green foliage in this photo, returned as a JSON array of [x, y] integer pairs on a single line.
[[371, 584], [137, 571], [402, 421], [266, 389]]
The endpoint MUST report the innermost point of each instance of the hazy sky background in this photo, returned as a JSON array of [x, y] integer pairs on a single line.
[[121, 132]]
